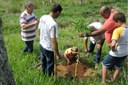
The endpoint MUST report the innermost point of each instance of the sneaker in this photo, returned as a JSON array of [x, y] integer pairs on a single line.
[[87, 54]]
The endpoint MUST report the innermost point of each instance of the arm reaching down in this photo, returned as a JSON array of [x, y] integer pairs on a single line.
[[114, 45]]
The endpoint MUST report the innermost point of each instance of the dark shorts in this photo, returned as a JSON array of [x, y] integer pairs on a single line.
[[111, 62]]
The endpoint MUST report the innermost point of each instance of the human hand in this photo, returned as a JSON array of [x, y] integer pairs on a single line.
[[114, 48], [58, 56], [36, 22], [87, 34], [86, 50]]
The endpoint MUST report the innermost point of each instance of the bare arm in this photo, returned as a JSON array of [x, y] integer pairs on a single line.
[[55, 45], [98, 32], [25, 26], [86, 45], [113, 45]]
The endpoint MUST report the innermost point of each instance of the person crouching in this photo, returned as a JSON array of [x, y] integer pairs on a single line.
[[70, 54]]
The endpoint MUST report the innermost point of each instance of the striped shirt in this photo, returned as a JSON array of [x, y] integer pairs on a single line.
[[29, 33]]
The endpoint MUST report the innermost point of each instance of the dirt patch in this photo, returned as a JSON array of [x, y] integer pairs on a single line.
[[68, 71], [83, 71]]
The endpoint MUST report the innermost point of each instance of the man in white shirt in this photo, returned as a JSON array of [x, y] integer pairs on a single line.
[[47, 40], [95, 40]]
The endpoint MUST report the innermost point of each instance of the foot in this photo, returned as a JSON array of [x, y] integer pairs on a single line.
[[110, 81]]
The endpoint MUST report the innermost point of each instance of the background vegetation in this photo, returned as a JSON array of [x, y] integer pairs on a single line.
[[76, 15]]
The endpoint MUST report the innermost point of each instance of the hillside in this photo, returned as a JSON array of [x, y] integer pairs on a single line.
[[76, 15]]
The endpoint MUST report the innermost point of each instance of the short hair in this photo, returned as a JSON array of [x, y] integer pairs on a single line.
[[28, 4], [55, 8], [119, 16], [106, 9]]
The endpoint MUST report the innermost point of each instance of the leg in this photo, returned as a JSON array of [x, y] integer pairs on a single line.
[[118, 65], [99, 50], [25, 47], [98, 54], [30, 46], [91, 47], [43, 59], [116, 74], [104, 74], [108, 63], [50, 62]]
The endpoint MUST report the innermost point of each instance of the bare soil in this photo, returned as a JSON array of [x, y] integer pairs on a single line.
[[68, 70]]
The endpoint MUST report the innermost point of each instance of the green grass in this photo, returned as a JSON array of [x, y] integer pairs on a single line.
[[74, 17]]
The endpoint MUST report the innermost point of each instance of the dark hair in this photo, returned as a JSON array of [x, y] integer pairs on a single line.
[[119, 16], [55, 8], [28, 4], [107, 9]]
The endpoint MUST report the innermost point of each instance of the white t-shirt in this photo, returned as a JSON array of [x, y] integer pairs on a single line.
[[96, 39], [46, 26]]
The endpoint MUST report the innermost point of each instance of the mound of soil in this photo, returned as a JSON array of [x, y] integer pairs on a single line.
[[83, 71]]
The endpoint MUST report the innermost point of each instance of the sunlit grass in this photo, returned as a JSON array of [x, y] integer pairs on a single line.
[[24, 65]]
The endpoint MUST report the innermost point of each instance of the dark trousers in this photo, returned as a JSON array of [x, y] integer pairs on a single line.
[[91, 47], [28, 46], [47, 60], [98, 51]]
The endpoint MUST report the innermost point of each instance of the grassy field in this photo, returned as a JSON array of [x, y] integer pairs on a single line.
[[74, 18]]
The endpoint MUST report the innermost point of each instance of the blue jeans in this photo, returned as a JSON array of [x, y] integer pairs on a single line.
[[91, 47], [98, 51], [28, 46], [47, 61], [111, 61]]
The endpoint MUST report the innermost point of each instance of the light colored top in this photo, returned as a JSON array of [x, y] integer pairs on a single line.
[[46, 26], [121, 36], [29, 33], [70, 53], [96, 39], [109, 26]]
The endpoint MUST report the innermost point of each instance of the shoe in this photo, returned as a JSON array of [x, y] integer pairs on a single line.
[[87, 54]]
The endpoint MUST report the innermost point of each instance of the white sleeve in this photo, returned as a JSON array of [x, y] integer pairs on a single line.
[[40, 24]]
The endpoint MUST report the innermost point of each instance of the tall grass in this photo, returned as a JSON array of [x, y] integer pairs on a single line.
[[24, 66]]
